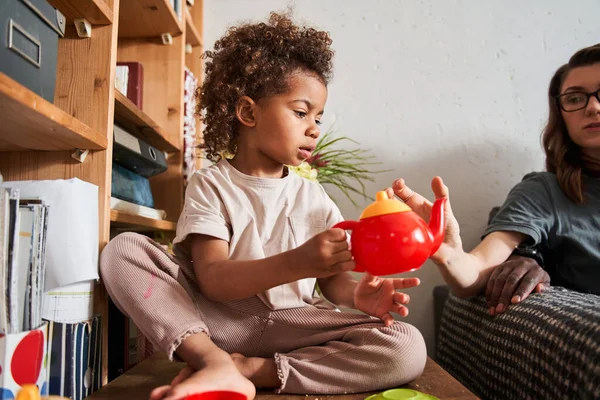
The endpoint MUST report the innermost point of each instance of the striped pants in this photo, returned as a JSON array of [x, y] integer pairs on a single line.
[[316, 349]]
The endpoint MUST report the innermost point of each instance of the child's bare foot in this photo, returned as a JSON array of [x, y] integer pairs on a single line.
[[261, 371], [218, 374]]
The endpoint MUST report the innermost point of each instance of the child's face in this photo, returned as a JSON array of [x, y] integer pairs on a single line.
[[287, 124]]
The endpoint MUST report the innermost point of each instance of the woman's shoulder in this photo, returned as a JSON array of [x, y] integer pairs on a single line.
[[538, 182]]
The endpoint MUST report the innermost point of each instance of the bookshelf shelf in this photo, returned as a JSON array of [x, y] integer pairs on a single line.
[[138, 123], [147, 18], [191, 33], [120, 219], [31, 123], [38, 137], [96, 12]]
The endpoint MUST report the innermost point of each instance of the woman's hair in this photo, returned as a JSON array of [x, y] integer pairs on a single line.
[[563, 156], [255, 60]]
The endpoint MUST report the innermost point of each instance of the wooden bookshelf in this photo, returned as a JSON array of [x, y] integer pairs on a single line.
[[163, 103], [193, 60], [192, 36], [37, 137], [120, 219], [148, 19], [97, 12], [136, 122], [31, 123]]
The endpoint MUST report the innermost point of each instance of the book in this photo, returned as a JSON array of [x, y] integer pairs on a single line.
[[11, 266], [36, 267], [23, 272], [122, 79], [23, 224], [134, 82], [30, 264], [136, 209], [4, 200]]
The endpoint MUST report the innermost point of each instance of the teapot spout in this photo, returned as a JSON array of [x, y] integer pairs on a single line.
[[437, 225]]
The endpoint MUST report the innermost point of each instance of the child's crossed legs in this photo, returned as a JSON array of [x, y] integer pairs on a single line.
[[302, 350]]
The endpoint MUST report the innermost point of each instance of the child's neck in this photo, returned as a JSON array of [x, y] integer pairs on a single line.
[[257, 165]]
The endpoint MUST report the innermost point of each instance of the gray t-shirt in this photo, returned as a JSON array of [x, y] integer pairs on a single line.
[[567, 234]]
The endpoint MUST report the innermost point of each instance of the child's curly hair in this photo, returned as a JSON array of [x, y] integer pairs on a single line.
[[255, 60]]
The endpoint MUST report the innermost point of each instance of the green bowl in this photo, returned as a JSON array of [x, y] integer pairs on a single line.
[[401, 394]]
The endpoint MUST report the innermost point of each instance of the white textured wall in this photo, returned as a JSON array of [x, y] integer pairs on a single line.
[[439, 87]]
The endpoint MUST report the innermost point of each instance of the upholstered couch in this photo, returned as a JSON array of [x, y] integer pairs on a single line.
[[547, 347]]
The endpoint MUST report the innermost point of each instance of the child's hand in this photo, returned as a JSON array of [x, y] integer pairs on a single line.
[[378, 297], [326, 254]]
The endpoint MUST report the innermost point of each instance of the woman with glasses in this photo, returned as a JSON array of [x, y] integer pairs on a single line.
[[556, 212]]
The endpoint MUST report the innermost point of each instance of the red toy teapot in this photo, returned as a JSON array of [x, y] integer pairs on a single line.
[[390, 238]]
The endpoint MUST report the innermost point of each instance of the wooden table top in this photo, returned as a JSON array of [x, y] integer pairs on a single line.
[[137, 383]]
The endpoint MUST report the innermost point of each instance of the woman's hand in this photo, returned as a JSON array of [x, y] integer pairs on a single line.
[[378, 296], [512, 281], [422, 207]]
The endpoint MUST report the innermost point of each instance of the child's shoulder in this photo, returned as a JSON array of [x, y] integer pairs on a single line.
[[209, 178], [214, 171]]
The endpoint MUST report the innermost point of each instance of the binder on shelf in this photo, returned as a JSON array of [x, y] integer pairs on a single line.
[[137, 155], [75, 358]]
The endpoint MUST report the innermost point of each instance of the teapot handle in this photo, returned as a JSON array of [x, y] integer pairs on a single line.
[[346, 225]]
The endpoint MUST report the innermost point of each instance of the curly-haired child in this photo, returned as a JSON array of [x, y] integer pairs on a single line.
[[254, 239]]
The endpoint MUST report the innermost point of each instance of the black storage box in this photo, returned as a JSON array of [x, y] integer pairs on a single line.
[[29, 36]]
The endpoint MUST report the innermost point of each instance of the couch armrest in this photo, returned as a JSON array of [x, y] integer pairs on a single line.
[[546, 347]]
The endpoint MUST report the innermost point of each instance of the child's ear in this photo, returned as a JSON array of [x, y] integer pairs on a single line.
[[244, 111]]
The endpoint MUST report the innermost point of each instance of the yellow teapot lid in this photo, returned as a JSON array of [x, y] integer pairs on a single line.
[[383, 205]]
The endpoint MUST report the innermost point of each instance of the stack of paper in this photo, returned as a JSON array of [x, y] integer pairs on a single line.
[[23, 224], [72, 246]]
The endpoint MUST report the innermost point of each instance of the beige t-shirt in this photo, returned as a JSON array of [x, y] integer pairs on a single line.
[[259, 217]]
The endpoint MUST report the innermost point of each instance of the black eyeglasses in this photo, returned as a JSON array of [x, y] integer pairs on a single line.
[[574, 101]]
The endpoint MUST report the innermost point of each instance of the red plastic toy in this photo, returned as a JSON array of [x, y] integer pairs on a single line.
[[217, 395], [391, 239]]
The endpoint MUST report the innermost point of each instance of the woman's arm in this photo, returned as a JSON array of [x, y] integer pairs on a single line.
[[468, 273]]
